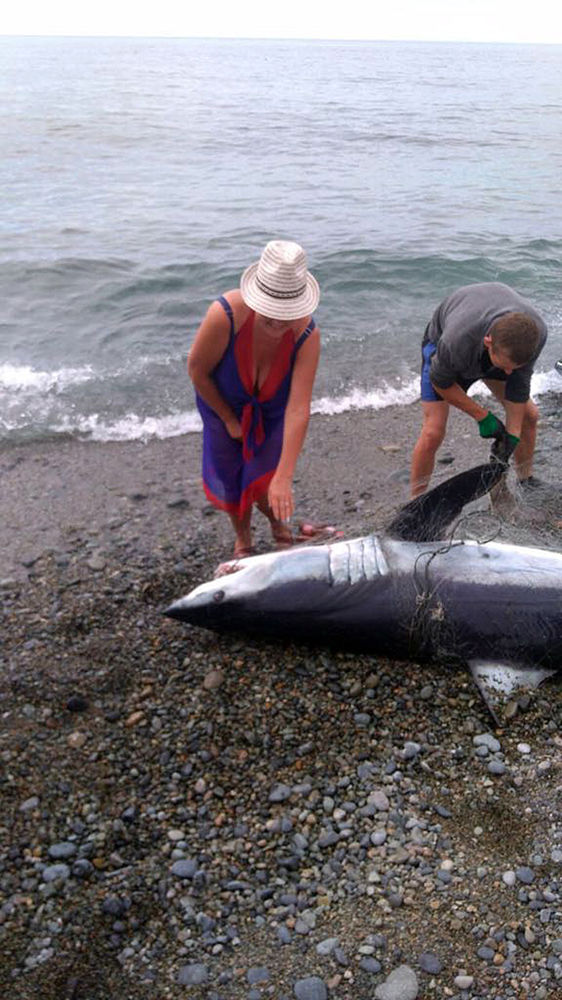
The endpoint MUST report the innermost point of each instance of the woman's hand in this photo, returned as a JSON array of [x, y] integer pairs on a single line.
[[280, 497], [234, 428]]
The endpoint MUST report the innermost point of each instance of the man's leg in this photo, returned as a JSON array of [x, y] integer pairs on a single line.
[[524, 416], [434, 425], [525, 451]]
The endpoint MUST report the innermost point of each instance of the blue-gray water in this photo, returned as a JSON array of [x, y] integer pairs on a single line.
[[139, 178]]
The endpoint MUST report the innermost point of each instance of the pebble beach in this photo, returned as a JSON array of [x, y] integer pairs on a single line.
[[191, 815]]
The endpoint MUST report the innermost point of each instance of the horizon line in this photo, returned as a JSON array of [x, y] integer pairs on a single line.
[[268, 38]]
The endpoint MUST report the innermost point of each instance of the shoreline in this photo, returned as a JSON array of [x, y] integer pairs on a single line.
[[353, 472], [183, 808]]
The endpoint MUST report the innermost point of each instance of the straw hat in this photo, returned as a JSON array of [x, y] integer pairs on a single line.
[[279, 285]]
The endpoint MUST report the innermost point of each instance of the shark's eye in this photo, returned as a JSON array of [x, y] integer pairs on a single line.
[[218, 596]]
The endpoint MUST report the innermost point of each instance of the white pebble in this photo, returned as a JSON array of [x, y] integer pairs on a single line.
[[463, 982]]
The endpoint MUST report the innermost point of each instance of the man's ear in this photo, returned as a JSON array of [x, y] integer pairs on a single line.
[[487, 341]]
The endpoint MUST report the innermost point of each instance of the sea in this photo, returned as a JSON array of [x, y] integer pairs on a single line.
[[139, 177]]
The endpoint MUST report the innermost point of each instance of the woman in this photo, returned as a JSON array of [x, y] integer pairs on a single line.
[[253, 363]]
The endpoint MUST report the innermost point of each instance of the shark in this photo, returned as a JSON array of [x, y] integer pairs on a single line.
[[407, 594]]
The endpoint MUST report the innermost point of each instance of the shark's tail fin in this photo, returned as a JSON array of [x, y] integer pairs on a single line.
[[426, 518]]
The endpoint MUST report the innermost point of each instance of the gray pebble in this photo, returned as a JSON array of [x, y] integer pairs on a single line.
[[430, 963], [193, 975], [82, 868], [496, 767], [114, 906], [463, 982], [370, 965], [29, 804], [487, 740], [327, 838], [53, 872], [401, 984], [279, 793], [362, 719], [365, 770], [380, 801], [96, 562], [258, 974], [327, 946], [284, 934], [62, 851], [485, 953], [525, 875], [311, 988], [184, 868]]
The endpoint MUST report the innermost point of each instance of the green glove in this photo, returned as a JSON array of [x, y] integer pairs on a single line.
[[491, 427]]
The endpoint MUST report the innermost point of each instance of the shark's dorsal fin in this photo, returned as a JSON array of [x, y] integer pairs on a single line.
[[427, 517]]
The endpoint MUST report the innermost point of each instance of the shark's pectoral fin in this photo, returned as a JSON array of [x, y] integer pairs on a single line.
[[496, 681]]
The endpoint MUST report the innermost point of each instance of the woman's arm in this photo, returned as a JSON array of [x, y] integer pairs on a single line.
[[211, 341], [297, 415]]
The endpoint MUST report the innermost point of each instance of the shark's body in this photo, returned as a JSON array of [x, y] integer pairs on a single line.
[[497, 607]]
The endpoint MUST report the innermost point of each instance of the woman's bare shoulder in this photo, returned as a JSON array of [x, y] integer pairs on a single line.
[[305, 324], [239, 308]]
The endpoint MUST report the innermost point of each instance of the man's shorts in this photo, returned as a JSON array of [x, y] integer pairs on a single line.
[[427, 392]]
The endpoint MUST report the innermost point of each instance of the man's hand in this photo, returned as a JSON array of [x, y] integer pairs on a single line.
[[491, 427]]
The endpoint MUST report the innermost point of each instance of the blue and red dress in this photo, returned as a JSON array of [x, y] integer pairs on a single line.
[[237, 473]]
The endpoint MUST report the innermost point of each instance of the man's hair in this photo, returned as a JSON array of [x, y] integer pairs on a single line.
[[517, 336]]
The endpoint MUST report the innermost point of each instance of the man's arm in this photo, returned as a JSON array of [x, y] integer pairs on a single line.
[[456, 396], [489, 426]]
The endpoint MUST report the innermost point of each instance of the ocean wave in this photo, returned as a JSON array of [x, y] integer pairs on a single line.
[[131, 427], [16, 377], [363, 399], [34, 406], [543, 382]]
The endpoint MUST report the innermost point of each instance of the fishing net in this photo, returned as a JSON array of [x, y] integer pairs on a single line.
[[485, 503], [488, 499]]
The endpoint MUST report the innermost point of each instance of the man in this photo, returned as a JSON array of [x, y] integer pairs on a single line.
[[489, 332]]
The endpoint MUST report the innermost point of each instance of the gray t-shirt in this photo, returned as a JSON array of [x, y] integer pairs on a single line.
[[458, 327]]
